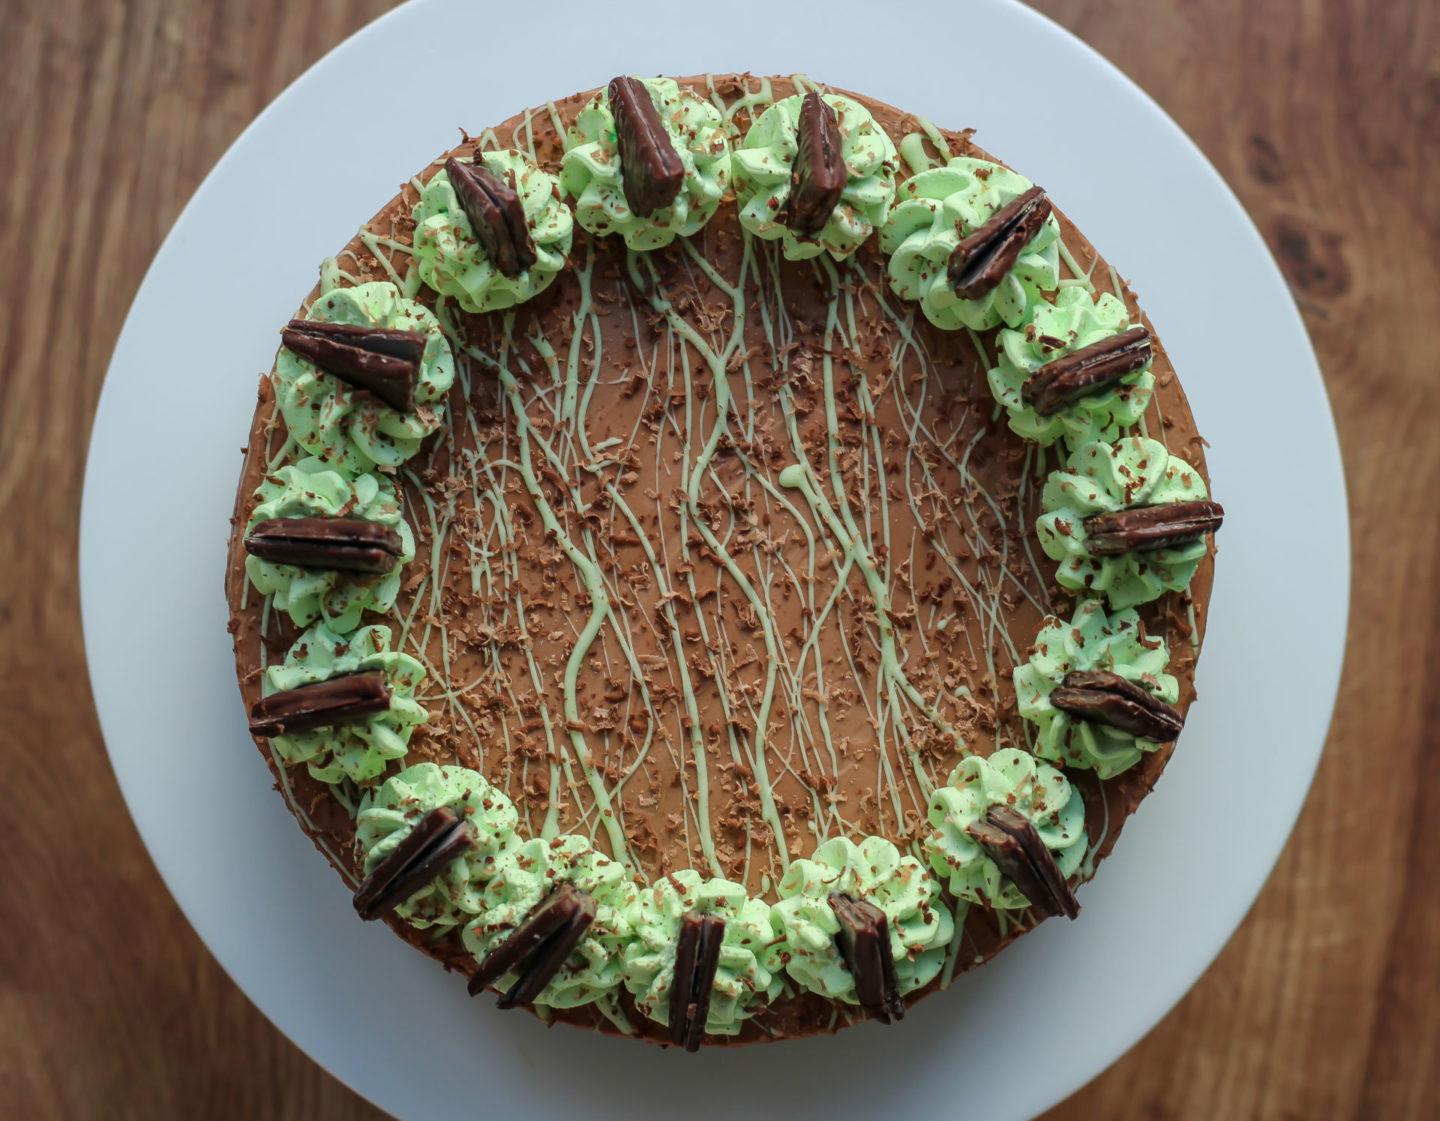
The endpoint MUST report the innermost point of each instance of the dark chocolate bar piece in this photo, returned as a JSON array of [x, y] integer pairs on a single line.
[[1141, 529], [1085, 371], [1013, 843], [1108, 698], [864, 943], [426, 851], [348, 696], [538, 947], [984, 256], [651, 171], [697, 955], [497, 216], [818, 176], [349, 544], [380, 361]]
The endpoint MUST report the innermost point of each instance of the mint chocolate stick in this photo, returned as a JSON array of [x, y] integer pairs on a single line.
[[496, 214], [348, 544], [1090, 369], [345, 697], [538, 947], [697, 956], [380, 361], [864, 942], [426, 851], [650, 169], [1012, 841], [985, 255], [817, 178], [1108, 698]]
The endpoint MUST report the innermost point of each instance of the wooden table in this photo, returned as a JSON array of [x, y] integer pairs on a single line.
[[1324, 116]]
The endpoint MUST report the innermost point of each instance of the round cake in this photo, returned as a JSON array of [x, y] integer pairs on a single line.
[[716, 558]]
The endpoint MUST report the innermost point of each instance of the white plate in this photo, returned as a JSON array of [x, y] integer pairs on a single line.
[[1009, 1040]]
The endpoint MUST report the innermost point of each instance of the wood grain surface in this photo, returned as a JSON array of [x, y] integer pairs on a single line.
[[1324, 115]]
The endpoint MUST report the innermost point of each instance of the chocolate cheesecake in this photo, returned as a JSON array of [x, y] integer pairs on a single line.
[[716, 558]]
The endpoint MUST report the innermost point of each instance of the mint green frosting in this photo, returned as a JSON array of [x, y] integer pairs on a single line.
[[526, 874], [920, 925], [359, 749], [309, 488], [1092, 640], [934, 210], [749, 973], [452, 260], [388, 813], [1074, 320], [1013, 778], [353, 429], [1103, 477], [762, 178], [590, 171]]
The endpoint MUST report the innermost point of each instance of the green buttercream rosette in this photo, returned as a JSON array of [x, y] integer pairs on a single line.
[[357, 749], [311, 489], [763, 165], [1092, 640], [590, 172], [749, 974], [526, 874], [874, 870], [1104, 477], [934, 210], [351, 428], [1013, 778], [389, 813], [1072, 322], [452, 260]]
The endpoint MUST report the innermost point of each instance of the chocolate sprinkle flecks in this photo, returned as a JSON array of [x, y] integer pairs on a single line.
[[818, 176], [1141, 529], [426, 851], [650, 169], [497, 216], [1011, 840], [1085, 371], [864, 943], [349, 544], [383, 362], [347, 696], [1108, 698], [984, 256], [697, 956], [538, 947]]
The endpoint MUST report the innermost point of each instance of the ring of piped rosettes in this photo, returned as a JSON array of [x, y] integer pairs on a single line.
[[552, 921]]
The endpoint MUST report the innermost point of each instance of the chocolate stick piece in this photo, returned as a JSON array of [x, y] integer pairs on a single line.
[[651, 171], [347, 544], [380, 361], [564, 914], [549, 958], [818, 176], [1058, 896], [1141, 529], [338, 699], [1108, 698], [426, 851], [712, 935], [496, 214], [984, 256], [697, 956], [687, 952], [864, 942], [1091, 369]]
